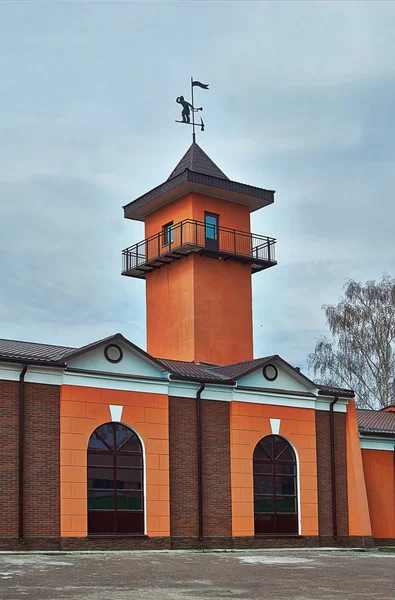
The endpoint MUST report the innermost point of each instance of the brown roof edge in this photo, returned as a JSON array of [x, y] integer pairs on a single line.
[[201, 380], [32, 361]]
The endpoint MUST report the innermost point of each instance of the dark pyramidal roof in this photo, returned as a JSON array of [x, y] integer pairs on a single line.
[[195, 159]]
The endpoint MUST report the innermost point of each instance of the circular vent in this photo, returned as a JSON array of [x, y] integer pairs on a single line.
[[270, 372], [113, 353]]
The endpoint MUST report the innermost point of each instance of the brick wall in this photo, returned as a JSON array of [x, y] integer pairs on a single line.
[[42, 460], [41, 485], [324, 474], [9, 458], [184, 508], [217, 502]]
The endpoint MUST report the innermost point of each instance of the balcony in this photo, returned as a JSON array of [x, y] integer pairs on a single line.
[[194, 236]]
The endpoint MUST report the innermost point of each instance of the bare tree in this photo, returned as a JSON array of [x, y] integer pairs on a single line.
[[361, 354]]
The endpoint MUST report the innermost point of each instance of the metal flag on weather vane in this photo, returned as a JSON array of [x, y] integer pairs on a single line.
[[199, 84], [188, 107]]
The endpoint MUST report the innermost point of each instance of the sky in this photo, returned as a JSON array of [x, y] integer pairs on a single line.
[[301, 101]]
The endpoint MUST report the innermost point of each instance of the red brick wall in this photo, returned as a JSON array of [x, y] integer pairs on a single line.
[[184, 508], [42, 460], [217, 502], [41, 486], [324, 474], [9, 458], [184, 511]]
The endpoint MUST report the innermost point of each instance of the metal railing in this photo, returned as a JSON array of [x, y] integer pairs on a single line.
[[190, 235]]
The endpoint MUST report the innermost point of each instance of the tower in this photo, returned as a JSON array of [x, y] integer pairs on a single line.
[[197, 258]]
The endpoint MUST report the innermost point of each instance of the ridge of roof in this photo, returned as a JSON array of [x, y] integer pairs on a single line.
[[195, 159]]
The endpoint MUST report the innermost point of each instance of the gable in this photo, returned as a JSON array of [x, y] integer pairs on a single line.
[[284, 381], [131, 363]]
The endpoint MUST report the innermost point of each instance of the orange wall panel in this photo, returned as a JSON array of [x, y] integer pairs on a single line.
[[200, 308], [358, 509], [82, 410], [250, 423], [170, 310], [379, 468]]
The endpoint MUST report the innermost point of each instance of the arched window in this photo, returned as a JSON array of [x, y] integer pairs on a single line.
[[275, 487], [115, 481]]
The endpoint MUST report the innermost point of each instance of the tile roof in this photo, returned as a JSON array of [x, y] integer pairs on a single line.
[[32, 351], [191, 370], [376, 421], [195, 159], [241, 368]]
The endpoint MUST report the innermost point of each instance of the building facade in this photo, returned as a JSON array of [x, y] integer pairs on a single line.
[[194, 443]]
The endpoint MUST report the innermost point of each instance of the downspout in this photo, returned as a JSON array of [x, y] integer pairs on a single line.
[[333, 465], [199, 457], [21, 453]]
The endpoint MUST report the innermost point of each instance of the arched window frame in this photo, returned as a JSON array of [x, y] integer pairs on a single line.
[[144, 469], [297, 478]]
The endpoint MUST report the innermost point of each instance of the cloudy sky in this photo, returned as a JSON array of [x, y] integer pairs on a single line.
[[301, 100]]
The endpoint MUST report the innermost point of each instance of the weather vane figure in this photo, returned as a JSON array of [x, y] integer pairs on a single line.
[[187, 108]]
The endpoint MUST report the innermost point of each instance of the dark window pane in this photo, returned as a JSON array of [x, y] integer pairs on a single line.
[[129, 501], [263, 484], [122, 434], [127, 479], [279, 445], [267, 445], [100, 459], [285, 486], [100, 500], [259, 453], [132, 445], [130, 460], [262, 467], [101, 478], [287, 524], [265, 524], [101, 522], [286, 505], [96, 444], [106, 432], [263, 505], [131, 522], [285, 469]]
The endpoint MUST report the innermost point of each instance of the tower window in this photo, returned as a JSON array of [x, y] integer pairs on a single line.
[[168, 233]]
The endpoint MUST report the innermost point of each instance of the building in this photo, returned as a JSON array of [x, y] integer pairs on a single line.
[[194, 443]]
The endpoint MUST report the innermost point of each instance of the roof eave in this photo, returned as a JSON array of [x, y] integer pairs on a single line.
[[191, 181]]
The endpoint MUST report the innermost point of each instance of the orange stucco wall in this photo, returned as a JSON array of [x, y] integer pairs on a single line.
[[379, 468], [249, 424], [200, 308], [82, 409], [170, 310], [193, 206], [358, 510]]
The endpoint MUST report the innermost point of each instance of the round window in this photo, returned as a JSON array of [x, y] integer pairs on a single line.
[[113, 353], [270, 372]]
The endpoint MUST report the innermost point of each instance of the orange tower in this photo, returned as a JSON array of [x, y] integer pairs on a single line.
[[197, 259]]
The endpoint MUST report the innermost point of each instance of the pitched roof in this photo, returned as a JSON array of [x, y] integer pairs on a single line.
[[193, 371], [32, 351], [195, 159], [240, 369], [376, 422]]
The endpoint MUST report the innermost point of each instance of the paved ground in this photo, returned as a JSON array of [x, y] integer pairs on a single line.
[[271, 575]]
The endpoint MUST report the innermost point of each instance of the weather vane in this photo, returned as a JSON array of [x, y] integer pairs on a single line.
[[187, 108]]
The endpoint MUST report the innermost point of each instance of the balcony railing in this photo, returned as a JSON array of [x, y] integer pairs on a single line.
[[195, 236]]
